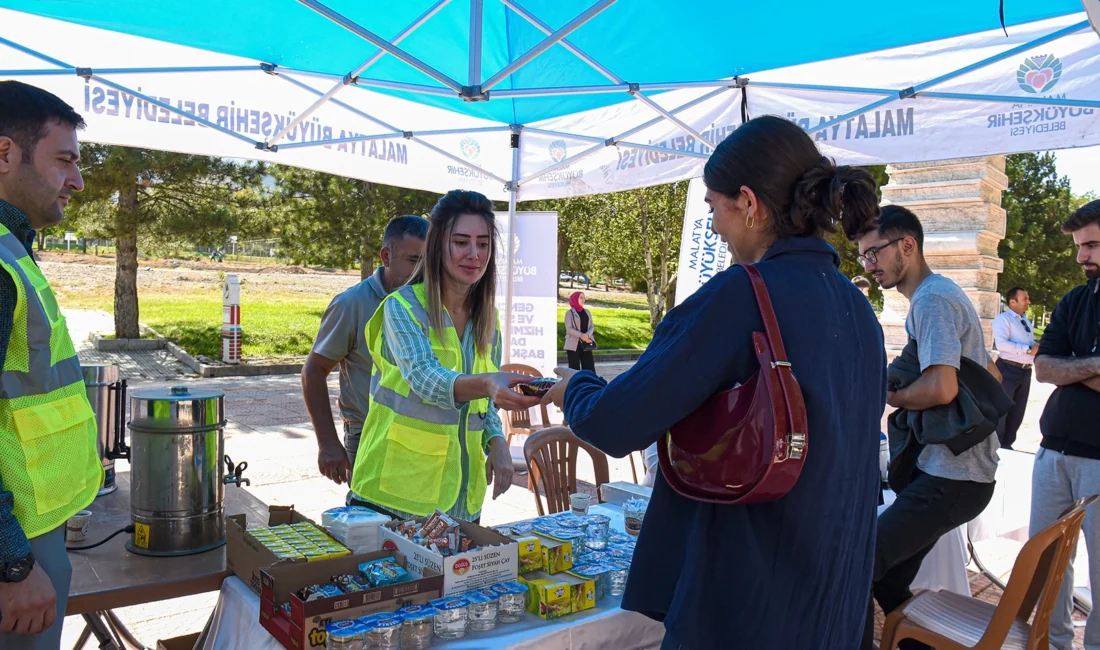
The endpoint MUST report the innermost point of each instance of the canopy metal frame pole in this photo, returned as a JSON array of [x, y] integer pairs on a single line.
[[616, 140], [350, 77], [916, 90], [87, 74], [398, 132], [392, 135], [477, 11], [623, 143], [170, 70], [634, 89], [546, 43], [513, 196], [381, 43]]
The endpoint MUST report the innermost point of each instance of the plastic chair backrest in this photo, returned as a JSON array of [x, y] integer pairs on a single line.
[[552, 457], [1036, 578]]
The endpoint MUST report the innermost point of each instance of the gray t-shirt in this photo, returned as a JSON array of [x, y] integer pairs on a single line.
[[342, 337], [946, 326]]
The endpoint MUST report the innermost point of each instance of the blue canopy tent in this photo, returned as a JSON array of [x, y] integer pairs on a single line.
[[525, 99]]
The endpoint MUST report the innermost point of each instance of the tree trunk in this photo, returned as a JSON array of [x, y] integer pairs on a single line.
[[652, 292], [366, 256], [126, 263], [41, 241]]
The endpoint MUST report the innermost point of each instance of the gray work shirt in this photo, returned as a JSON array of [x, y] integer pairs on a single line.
[[946, 326], [342, 337]]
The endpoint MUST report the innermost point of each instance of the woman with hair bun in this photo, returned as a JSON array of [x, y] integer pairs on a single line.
[[794, 572]]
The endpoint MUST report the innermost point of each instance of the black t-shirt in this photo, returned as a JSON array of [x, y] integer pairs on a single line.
[[1071, 420]]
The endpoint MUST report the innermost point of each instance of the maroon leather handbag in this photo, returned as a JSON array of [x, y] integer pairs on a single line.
[[747, 444]]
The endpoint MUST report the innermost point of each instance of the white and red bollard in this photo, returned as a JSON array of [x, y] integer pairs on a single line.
[[231, 319]]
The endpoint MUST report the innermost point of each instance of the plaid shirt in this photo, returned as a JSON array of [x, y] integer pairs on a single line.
[[405, 344], [13, 543]]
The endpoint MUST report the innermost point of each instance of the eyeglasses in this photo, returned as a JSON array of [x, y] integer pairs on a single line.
[[870, 256]]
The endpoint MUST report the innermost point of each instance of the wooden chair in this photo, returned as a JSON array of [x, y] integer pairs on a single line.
[[519, 422], [552, 457], [633, 469], [948, 621]]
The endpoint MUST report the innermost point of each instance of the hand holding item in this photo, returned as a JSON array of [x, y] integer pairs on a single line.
[[556, 395], [500, 390]]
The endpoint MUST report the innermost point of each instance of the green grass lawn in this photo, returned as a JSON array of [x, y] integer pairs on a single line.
[[280, 326], [284, 325], [616, 328]]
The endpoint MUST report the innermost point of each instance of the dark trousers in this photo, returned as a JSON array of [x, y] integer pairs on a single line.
[[923, 512], [1017, 383], [581, 360]]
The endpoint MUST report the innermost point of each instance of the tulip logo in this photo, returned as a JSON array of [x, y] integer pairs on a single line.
[[1039, 74], [470, 148]]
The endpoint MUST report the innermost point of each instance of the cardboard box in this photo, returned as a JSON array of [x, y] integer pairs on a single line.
[[304, 627], [530, 554], [246, 556], [495, 560], [550, 597], [557, 556], [186, 642]]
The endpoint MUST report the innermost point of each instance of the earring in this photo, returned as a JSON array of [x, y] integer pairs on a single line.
[[750, 222]]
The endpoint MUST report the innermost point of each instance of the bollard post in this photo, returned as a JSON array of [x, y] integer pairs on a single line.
[[231, 319]]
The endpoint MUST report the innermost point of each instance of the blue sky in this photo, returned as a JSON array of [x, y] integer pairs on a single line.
[[1083, 168]]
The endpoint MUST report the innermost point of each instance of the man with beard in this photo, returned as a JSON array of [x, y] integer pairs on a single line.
[[49, 468], [1067, 466], [947, 489]]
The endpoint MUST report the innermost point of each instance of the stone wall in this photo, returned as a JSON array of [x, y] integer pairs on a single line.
[[959, 204]]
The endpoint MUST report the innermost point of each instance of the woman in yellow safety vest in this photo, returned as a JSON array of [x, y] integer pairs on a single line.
[[432, 438]]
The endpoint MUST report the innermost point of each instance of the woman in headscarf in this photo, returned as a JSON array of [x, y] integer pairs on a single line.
[[579, 329]]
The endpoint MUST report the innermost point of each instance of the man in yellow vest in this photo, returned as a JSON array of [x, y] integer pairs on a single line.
[[49, 467]]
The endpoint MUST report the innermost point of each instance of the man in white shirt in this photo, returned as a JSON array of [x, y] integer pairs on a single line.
[[1014, 335]]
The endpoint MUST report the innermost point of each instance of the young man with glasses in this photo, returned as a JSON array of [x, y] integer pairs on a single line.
[[1014, 336], [947, 489], [1067, 466]]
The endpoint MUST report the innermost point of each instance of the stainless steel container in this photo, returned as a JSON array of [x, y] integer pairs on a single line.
[[177, 476], [107, 395]]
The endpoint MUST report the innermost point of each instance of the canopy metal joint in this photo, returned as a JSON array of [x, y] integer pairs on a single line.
[[739, 82], [263, 146], [408, 135], [269, 68], [906, 93], [511, 186], [85, 73], [634, 88], [473, 94]]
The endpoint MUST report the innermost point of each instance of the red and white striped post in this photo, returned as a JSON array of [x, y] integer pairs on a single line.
[[231, 319]]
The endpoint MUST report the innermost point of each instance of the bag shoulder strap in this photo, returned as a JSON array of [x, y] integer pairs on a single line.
[[767, 313]]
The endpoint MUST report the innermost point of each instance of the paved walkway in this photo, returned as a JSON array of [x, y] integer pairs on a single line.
[[268, 427], [148, 365]]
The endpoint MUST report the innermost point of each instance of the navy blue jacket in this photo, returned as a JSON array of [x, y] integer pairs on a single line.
[[794, 573]]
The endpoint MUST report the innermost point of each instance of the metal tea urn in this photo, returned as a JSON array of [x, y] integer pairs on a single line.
[[178, 471], [107, 395]]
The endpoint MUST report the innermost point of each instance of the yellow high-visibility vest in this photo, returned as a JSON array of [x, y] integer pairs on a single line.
[[48, 457], [411, 453]]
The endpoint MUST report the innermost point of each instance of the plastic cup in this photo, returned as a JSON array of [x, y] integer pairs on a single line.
[[76, 529], [579, 503]]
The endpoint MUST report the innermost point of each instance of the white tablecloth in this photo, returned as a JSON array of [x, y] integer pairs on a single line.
[[1008, 513], [236, 624], [944, 568], [1006, 516]]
